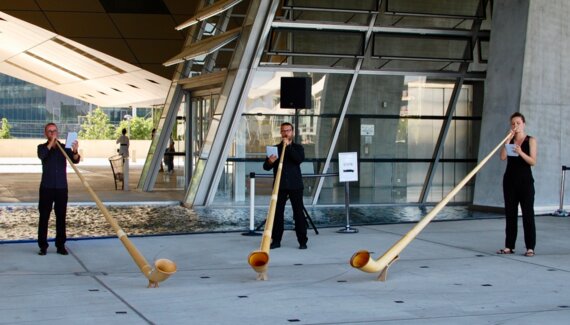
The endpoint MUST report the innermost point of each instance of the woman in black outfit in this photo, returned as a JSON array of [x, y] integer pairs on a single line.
[[518, 186]]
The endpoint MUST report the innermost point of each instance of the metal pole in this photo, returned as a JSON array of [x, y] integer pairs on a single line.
[[251, 231], [347, 229], [562, 188], [296, 125], [126, 173], [561, 212]]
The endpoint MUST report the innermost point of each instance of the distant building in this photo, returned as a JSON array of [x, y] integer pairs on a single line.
[[29, 107]]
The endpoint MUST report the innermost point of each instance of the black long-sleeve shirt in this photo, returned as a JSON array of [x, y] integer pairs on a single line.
[[54, 165], [291, 178]]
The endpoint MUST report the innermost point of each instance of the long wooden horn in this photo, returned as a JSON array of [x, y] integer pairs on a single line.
[[259, 259], [364, 262], [163, 267]]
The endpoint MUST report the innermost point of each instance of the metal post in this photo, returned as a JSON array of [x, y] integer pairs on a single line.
[[347, 229], [296, 125], [126, 173], [561, 212], [251, 231]]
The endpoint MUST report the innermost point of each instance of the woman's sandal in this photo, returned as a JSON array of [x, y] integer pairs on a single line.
[[529, 253], [505, 251]]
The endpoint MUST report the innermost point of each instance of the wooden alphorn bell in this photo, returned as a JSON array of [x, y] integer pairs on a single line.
[[364, 262], [259, 259], [163, 267]]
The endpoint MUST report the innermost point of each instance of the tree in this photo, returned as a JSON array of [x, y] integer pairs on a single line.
[[5, 130], [97, 125], [140, 128]]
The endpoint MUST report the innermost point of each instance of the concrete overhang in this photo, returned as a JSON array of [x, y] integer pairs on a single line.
[[41, 57]]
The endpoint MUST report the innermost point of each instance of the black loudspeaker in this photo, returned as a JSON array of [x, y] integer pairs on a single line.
[[296, 92]]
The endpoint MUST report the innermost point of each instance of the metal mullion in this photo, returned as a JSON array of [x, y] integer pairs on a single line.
[[150, 169], [419, 14], [322, 69], [441, 138], [447, 122], [168, 116], [422, 59], [223, 22], [240, 73], [410, 14], [324, 55], [346, 101], [377, 29], [356, 11]]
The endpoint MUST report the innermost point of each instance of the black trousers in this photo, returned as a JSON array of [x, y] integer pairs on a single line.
[[515, 194], [55, 199], [296, 197]]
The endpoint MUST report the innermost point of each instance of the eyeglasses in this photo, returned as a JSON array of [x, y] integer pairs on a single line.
[[51, 131], [287, 130]]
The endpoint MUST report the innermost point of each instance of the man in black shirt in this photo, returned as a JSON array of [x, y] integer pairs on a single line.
[[53, 188], [291, 187]]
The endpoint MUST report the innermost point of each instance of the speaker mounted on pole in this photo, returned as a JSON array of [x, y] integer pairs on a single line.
[[296, 92]]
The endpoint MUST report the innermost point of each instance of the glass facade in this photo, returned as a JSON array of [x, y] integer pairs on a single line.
[[399, 82], [392, 122]]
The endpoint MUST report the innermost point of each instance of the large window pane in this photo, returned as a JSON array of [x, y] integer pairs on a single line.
[[392, 122]]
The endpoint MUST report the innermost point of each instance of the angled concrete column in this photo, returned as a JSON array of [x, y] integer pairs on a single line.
[[528, 73]]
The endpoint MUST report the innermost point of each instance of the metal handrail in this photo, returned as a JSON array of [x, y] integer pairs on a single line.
[[252, 177]]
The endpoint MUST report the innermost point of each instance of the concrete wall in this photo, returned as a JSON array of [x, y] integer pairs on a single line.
[[527, 72], [27, 148], [545, 98]]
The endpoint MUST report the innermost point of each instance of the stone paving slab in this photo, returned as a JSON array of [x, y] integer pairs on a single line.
[[449, 275]]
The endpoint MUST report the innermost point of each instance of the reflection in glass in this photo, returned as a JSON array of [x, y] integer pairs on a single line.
[[402, 116]]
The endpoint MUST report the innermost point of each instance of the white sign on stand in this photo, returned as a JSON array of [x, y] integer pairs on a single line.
[[347, 172], [347, 167]]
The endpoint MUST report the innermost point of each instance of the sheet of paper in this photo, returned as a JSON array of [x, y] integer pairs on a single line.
[[71, 137], [271, 150], [511, 150]]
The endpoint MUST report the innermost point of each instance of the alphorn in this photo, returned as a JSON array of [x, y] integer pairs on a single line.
[[259, 259], [164, 268], [364, 262]]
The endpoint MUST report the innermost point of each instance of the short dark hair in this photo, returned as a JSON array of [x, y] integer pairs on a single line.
[[288, 124], [124, 131], [517, 114], [49, 124]]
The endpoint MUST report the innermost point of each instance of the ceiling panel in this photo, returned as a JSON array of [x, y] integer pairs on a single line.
[[83, 24], [158, 69], [18, 5], [75, 5], [145, 40], [101, 37], [107, 59], [25, 74], [42, 68], [116, 48], [15, 39], [146, 26], [71, 60], [68, 67], [181, 7], [148, 51], [36, 18]]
